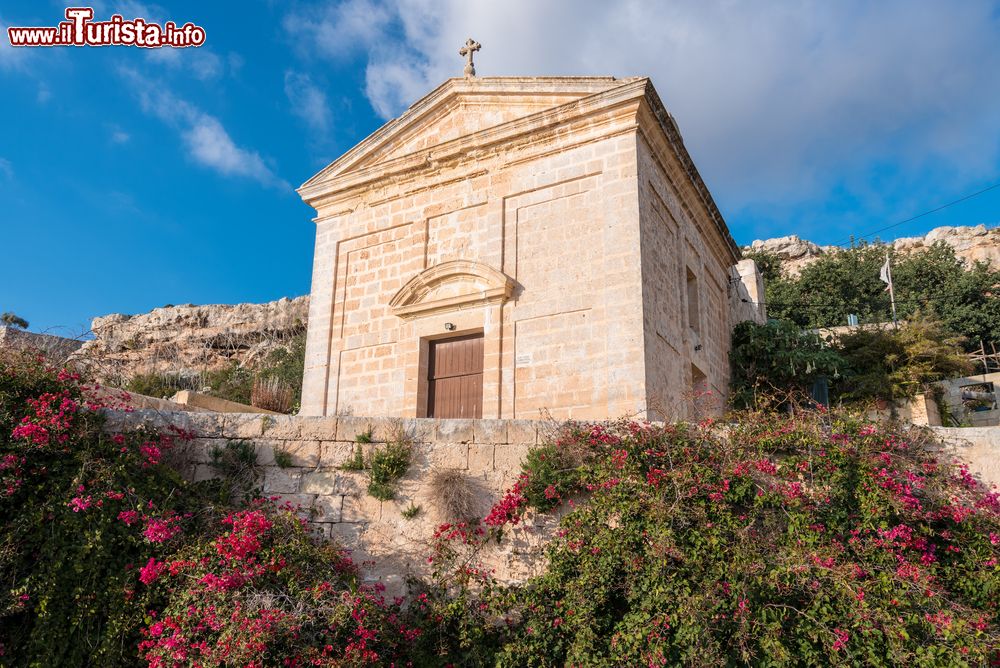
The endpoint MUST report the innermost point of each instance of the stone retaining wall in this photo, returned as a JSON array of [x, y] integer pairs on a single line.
[[979, 447], [487, 452]]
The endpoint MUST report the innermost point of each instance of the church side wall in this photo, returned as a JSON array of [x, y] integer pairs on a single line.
[[558, 217], [686, 315]]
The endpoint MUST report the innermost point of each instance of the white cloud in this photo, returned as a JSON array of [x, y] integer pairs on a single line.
[[119, 136], [206, 139], [10, 57], [338, 29], [307, 101], [6, 169], [212, 146], [199, 62], [779, 102], [235, 62]]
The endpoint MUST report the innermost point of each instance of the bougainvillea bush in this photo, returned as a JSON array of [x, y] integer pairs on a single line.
[[263, 593], [79, 510], [805, 539], [777, 540], [109, 558]]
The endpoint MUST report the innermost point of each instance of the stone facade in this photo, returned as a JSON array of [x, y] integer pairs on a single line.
[[562, 218]]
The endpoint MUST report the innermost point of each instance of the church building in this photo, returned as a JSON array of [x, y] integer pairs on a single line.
[[520, 247]]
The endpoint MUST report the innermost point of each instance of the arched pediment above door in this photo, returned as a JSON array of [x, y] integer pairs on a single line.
[[453, 285]]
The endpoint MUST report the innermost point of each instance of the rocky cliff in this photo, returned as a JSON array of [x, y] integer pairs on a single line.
[[189, 340], [970, 243]]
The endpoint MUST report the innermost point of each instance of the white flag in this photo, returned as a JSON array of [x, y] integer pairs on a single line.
[[885, 272]]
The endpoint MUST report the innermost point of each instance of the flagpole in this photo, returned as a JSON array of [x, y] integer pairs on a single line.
[[892, 292]]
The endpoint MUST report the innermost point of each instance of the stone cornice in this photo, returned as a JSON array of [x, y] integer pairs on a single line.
[[672, 134]]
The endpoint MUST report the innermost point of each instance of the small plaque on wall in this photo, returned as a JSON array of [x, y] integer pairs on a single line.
[[523, 360]]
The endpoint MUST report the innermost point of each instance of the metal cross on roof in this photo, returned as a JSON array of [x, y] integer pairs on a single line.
[[471, 46]]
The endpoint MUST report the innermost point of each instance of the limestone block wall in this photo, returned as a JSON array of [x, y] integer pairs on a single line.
[[487, 452], [979, 447]]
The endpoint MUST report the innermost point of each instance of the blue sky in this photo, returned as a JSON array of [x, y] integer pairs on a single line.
[[131, 178]]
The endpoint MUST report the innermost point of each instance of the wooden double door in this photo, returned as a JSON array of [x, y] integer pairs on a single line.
[[455, 377]]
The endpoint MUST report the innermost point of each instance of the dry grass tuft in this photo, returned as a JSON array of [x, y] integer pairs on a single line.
[[272, 394], [454, 495]]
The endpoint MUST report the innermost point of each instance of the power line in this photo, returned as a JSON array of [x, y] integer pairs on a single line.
[[926, 213]]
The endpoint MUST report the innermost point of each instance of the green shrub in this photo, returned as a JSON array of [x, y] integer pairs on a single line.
[[386, 465], [279, 372], [286, 365], [357, 460], [965, 297], [282, 457], [109, 558], [895, 364], [233, 382], [236, 462], [257, 590], [13, 320], [551, 474]]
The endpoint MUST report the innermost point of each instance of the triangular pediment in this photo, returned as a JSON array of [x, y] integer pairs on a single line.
[[460, 108]]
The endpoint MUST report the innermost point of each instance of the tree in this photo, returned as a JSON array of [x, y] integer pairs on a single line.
[[776, 359], [13, 320], [965, 298]]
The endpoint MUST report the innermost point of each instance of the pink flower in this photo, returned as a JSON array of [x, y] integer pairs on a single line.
[[35, 433], [129, 517], [841, 641], [508, 509], [766, 466], [160, 530], [79, 503], [655, 476], [741, 607], [151, 453], [244, 540], [618, 458], [151, 571]]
